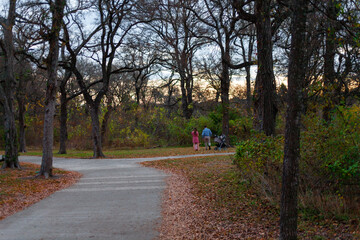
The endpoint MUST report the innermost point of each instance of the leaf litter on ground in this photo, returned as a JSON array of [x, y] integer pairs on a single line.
[[20, 188], [206, 198]]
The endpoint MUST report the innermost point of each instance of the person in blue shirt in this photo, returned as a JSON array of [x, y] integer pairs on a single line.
[[206, 134]]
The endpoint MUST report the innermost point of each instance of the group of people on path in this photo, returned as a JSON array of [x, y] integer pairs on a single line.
[[206, 134]]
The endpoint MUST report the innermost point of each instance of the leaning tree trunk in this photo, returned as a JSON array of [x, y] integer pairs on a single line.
[[7, 92], [296, 77], [96, 135], [265, 106], [94, 113], [57, 10]]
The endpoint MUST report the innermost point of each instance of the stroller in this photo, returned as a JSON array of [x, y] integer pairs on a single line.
[[220, 142]]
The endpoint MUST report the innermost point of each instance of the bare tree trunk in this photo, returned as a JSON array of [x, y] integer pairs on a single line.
[[247, 53], [21, 104], [96, 135], [20, 97], [104, 124], [11, 146], [94, 114], [186, 96], [57, 10], [63, 112], [105, 121], [63, 120], [217, 96], [225, 102], [7, 91], [329, 61], [137, 94], [296, 77], [265, 89]]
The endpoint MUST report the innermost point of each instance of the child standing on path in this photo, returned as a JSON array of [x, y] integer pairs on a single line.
[[206, 134], [195, 135]]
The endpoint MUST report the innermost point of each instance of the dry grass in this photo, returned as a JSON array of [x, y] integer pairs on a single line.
[[20, 189]]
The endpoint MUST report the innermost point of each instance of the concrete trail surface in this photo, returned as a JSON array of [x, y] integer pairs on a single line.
[[116, 199]]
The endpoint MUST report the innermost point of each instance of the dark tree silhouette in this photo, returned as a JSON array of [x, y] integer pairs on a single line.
[[57, 11], [265, 98], [7, 89], [296, 77]]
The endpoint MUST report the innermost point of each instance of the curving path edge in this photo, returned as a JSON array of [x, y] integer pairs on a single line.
[[116, 199]]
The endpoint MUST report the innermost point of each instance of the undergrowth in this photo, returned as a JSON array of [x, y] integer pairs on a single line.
[[329, 171], [240, 208]]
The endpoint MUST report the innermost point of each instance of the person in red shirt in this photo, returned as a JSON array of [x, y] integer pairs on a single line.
[[195, 135]]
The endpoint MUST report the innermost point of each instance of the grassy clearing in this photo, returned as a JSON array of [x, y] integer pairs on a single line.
[[129, 153], [19, 188], [217, 181]]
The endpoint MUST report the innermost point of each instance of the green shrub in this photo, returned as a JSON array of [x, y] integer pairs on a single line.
[[347, 168], [132, 138], [329, 168], [241, 128], [259, 159], [179, 131], [330, 151]]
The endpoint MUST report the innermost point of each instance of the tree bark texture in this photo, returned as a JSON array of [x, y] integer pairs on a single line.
[[21, 105], [296, 77], [7, 91], [11, 146], [57, 10], [96, 135], [265, 105]]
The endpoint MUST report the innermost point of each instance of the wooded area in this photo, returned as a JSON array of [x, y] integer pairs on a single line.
[[93, 73]]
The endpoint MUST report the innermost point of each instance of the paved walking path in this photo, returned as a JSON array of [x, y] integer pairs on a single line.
[[116, 199]]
